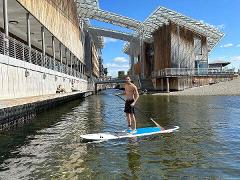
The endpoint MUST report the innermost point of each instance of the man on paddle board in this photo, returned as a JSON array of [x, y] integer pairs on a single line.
[[132, 96]]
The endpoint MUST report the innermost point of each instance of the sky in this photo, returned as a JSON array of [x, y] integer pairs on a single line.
[[223, 14]]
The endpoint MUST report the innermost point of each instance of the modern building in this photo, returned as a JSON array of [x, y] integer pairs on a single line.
[[172, 50], [47, 43], [121, 74], [44, 44]]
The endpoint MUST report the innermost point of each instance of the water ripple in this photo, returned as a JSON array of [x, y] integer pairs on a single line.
[[207, 145]]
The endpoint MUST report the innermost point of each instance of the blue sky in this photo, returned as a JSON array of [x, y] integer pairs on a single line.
[[220, 13]]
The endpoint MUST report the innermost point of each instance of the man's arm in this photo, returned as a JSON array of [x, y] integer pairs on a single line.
[[136, 95]]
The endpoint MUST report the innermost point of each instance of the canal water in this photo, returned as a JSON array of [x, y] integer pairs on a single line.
[[207, 145]]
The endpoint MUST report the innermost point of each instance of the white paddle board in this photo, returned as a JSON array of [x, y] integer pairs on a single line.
[[118, 135]]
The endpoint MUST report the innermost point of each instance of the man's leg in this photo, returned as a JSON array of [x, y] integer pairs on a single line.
[[133, 121], [129, 120]]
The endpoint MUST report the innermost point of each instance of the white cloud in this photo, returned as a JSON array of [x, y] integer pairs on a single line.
[[235, 58], [116, 66], [227, 45], [113, 73], [109, 40], [238, 45], [120, 59], [113, 68]]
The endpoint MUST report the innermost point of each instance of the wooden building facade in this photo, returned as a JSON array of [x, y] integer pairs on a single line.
[[177, 47]]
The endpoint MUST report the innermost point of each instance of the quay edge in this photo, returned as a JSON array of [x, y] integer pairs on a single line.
[[15, 112]]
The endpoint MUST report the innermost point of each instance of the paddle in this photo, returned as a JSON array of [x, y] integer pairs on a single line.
[[143, 114]]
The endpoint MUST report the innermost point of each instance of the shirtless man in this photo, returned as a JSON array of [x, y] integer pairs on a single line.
[[132, 96]]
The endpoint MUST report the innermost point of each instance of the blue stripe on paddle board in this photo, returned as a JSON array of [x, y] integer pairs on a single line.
[[146, 130]]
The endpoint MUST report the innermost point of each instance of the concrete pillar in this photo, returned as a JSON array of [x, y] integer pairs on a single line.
[[161, 84], [53, 52], [61, 60], [183, 83], [95, 88], [71, 63], [77, 65], [65, 55], [142, 57], [43, 45], [168, 85], [28, 35], [6, 30]]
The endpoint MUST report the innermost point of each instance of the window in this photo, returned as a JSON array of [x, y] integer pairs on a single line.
[[197, 45]]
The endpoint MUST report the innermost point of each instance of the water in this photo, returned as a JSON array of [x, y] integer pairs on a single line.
[[207, 145]]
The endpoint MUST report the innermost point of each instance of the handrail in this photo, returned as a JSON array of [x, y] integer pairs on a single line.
[[21, 51], [192, 72]]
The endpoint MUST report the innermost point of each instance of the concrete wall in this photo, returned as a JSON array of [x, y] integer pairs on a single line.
[[40, 81]]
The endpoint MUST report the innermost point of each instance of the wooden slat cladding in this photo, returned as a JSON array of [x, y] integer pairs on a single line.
[[174, 48], [137, 68], [183, 49], [61, 21], [148, 59], [68, 9], [204, 49], [162, 45]]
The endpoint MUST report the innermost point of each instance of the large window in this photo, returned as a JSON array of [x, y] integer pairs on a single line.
[[197, 45]]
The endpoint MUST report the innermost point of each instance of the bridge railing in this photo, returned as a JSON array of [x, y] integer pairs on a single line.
[[109, 81]]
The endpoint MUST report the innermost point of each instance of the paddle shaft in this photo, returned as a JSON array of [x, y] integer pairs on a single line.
[[143, 113]]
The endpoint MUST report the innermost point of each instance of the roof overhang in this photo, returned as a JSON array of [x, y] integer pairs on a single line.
[[222, 63], [113, 34], [163, 16], [87, 10]]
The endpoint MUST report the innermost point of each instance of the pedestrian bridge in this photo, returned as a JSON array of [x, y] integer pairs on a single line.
[[112, 81], [116, 81]]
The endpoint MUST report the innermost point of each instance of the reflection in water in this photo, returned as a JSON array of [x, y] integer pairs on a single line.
[[134, 158], [207, 145]]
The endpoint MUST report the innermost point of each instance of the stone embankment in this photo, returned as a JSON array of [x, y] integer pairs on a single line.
[[14, 112]]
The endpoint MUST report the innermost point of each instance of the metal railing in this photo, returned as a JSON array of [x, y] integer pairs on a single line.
[[192, 72], [16, 49]]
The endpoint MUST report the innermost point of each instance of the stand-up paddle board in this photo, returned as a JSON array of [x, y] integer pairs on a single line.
[[118, 135]]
